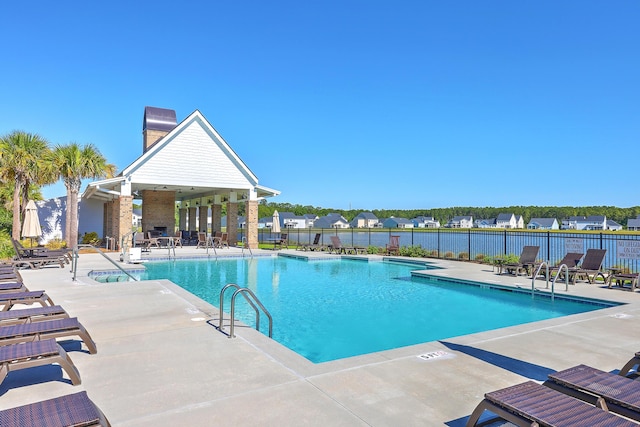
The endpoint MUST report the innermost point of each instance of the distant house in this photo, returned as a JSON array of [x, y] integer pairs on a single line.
[[633, 224], [136, 218], [291, 220], [425, 222], [394, 222], [364, 220], [593, 222], [507, 220], [460, 222], [310, 218], [485, 223], [613, 226], [333, 220], [265, 222], [242, 222], [543, 224], [519, 221]]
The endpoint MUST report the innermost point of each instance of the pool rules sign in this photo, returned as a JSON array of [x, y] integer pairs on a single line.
[[628, 249]]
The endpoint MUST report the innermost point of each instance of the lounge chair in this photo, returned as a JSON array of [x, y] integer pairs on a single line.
[[9, 300], [47, 329], [632, 363], [70, 410], [30, 315], [311, 246], [590, 268], [177, 239], [532, 404], [39, 251], [140, 242], [525, 263], [616, 393], [36, 353], [337, 247], [12, 287], [570, 260], [393, 247]]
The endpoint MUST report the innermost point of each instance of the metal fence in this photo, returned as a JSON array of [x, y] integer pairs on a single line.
[[623, 249]]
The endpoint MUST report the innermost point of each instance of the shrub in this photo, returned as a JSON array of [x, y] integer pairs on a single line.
[[434, 253], [56, 243], [480, 257], [373, 250], [448, 254], [463, 256], [6, 247], [412, 251], [90, 238]]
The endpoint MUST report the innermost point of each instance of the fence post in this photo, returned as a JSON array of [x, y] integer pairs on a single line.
[[438, 243], [505, 242]]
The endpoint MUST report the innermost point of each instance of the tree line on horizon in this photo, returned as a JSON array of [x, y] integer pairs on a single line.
[[619, 215]]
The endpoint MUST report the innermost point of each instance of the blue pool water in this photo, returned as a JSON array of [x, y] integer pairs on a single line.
[[331, 309]]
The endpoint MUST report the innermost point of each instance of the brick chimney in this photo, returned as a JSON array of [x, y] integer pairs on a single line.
[[157, 123]]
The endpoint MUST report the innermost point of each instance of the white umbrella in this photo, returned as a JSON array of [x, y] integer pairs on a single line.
[[275, 226], [31, 225]]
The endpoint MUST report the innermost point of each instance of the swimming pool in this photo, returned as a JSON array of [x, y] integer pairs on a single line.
[[332, 309]]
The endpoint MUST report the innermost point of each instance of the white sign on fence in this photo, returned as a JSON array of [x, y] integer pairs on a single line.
[[628, 249], [574, 245]]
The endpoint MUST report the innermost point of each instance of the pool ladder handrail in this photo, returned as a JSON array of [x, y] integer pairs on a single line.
[[537, 273], [243, 292], [566, 278]]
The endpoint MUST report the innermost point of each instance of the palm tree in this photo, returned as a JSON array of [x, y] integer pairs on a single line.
[[73, 164], [22, 162]]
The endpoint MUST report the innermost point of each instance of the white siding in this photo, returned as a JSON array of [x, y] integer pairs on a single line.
[[202, 159]]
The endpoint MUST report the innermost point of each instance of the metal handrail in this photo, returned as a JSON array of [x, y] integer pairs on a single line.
[[244, 245], [76, 256], [243, 292], [566, 278], [537, 273]]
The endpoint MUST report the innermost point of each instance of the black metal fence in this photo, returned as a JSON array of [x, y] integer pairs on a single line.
[[623, 249]]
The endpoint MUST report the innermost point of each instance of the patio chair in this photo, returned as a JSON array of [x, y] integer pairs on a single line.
[[591, 267], [39, 251], [224, 240], [632, 363], [532, 404], [36, 353], [9, 300], [283, 240], [337, 247], [47, 329], [30, 315], [614, 392], [525, 263], [152, 240], [203, 241], [70, 410], [177, 239], [393, 247]]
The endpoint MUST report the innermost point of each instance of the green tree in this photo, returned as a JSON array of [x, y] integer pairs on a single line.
[[23, 162], [74, 163]]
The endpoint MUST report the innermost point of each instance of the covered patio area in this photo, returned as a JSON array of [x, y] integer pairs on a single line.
[[186, 174]]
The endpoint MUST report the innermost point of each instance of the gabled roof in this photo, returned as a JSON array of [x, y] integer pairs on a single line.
[[399, 220], [461, 218], [544, 222], [366, 215], [192, 159], [504, 217]]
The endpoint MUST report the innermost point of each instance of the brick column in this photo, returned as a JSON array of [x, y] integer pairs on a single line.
[[192, 219], [216, 217], [251, 228], [203, 214], [182, 219], [232, 223], [107, 216], [124, 220]]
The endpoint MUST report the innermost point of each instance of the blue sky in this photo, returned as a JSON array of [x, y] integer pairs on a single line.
[[349, 104]]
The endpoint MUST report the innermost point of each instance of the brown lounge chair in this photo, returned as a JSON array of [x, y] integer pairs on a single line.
[[590, 268], [532, 404], [30, 315], [570, 260], [12, 287], [337, 247], [614, 392], [70, 410], [311, 246], [36, 353], [26, 259], [9, 300], [47, 329], [393, 247], [620, 279], [525, 263], [632, 363]]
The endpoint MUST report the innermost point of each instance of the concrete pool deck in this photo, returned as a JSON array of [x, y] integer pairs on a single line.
[[160, 362]]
